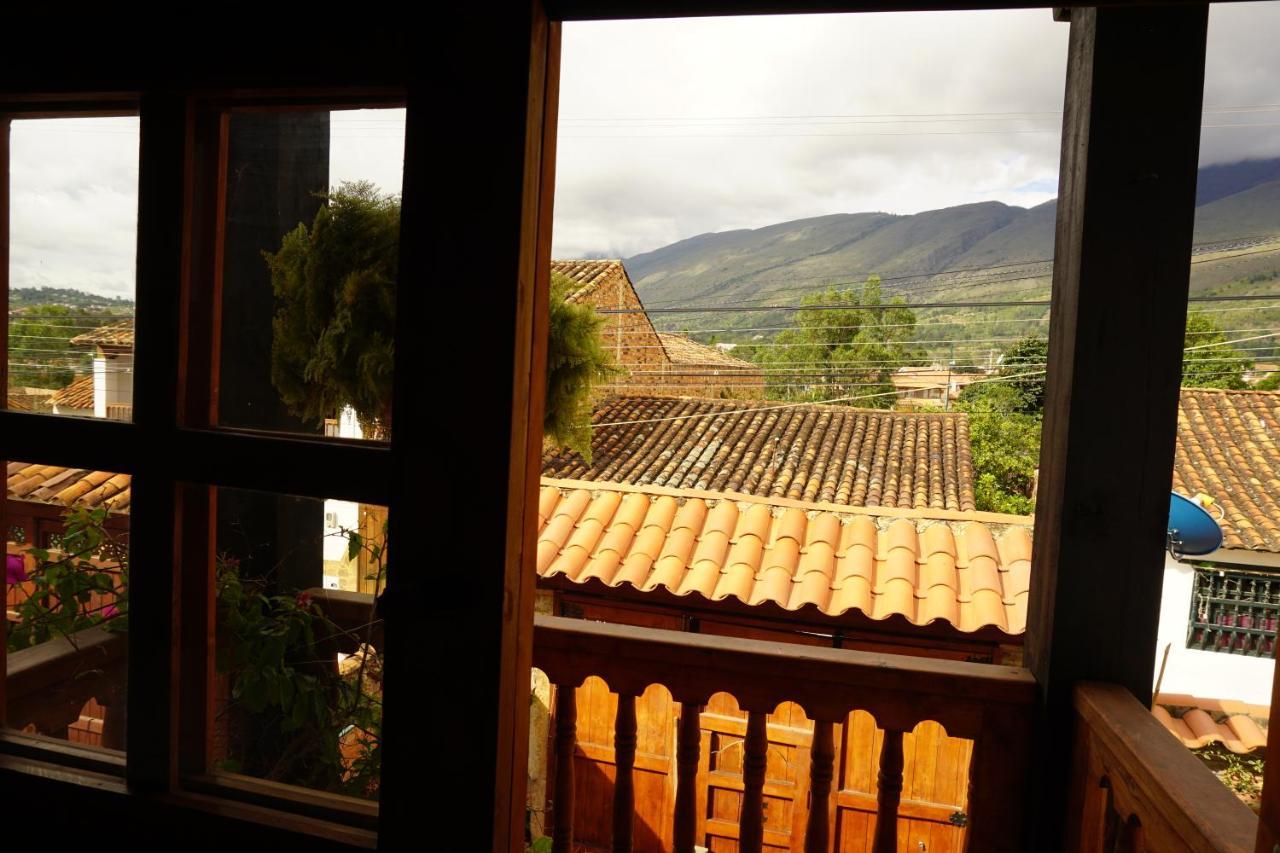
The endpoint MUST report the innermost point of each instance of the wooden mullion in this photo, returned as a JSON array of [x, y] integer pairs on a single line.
[[153, 629], [491, 426], [5, 448], [1130, 146]]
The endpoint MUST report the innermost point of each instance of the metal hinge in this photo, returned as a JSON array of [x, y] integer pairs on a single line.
[[958, 819]]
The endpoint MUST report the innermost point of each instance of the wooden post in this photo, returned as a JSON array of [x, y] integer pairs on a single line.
[[889, 793], [1126, 202], [1269, 811], [688, 748], [821, 771], [756, 753], [566, 737], [624, 761]]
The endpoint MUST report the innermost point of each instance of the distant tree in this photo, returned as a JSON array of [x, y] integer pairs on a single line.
[[1208, 361], [576, 361], [839, 352], [333, 344], [1018, 383], [1270, 382], [1006, 448], [40, 352]]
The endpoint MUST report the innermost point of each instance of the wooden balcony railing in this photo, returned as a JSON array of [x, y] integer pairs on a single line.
[[48, 685], [1135, 787], [990, 705]]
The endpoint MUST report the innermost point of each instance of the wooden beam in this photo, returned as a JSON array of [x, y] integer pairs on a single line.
[[487, 439], [1126, 203], [153, 646], [1269, 811]]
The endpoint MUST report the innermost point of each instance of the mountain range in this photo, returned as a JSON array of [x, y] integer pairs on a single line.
[[985, 250]]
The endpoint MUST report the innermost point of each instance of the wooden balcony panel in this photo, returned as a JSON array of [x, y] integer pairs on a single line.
[[1135, 787], [899, 691], [46, 685], [990, 705]]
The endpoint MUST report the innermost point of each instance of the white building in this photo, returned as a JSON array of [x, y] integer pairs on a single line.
[[1219, 612]]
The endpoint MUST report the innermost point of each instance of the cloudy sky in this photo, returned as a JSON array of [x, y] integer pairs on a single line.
[[679, 127], [74, 193]]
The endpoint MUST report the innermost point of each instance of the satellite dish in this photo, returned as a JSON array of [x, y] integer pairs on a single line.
[[1192, 530]]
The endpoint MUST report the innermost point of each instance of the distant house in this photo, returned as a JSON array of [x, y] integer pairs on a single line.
[[930, 386], [112, 381], [653, 362], [1219, 613]]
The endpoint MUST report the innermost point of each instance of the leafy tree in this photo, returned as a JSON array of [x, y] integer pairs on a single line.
[[576, 361], [1270, 382], [834, 353], [333, 345], [1022, 369], [1006, 448], [1208, 361], [334, 283], [40, 352]]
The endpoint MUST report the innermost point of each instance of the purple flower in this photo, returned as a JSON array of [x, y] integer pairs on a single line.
[[109, 611], [15, 570]]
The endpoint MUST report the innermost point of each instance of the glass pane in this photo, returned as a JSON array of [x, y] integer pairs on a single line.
[[72, 244], [309, 271], [67, 602], [298, 696]]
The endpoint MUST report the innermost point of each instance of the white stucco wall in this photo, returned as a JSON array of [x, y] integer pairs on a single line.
[[112, 382], [1211, 675], [339, 572]]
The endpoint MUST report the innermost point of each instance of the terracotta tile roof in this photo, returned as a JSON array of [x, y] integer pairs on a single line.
[[19, 403], [116, 335], [823, 559], [1227, 449], [806, 452], [54, 484], [588, 274], [682, 350], [77, 395], [1196, 727]]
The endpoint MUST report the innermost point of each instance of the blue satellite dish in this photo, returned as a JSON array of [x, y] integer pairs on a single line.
[[1192, 530]]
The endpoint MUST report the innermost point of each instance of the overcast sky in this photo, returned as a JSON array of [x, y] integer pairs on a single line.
[[675, 128]]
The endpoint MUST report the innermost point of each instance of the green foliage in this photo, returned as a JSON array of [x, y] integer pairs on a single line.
[[40, 353], [276, 647], [67, 586], [1270, 382], [335, 284], [1242, 774], [1006, 448], [1208, 361], [576, 361], [833, 354], [1017, 385]]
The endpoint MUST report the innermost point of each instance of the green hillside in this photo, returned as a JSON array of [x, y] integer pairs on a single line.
[[986, 251]]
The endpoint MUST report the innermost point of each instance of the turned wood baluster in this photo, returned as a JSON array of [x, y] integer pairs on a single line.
[[624, 759], [566, 736], [756, 752], [821, 771], [889, 782], [688, 747]]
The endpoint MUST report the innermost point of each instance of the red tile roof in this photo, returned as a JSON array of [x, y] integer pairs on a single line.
[[970, 570], [1196, 728], [113, 336], [77, 395], [685, 351], [1227, 449], [54, 484], [588, 275], [809, 452]]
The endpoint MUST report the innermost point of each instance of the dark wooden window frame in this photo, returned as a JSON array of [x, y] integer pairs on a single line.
[[1129, 154]]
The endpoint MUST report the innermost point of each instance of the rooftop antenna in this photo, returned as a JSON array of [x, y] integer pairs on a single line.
[[1192, 531]]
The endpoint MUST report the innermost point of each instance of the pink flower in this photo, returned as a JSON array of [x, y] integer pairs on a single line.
[[109, 611], [304, 600], [15, 570]]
